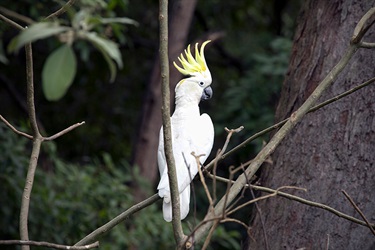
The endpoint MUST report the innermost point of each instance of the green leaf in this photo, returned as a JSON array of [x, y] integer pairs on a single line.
[[58, 72], [35, 32], [111, 64], [105, 46]]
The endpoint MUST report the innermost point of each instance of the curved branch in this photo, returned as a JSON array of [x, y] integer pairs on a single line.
[[62, 10]]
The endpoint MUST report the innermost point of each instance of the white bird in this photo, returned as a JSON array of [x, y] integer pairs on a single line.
[[191, 131]]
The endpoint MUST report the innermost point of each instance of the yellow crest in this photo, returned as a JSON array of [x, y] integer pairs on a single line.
[[191, 65]]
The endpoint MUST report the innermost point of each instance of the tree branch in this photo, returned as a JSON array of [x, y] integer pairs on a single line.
[[301, 200], [67, 130], [359, 211], [37, 141], [47, 244], [15, 15], [172, 175], [97, 233], [14, 129], [62, 10]]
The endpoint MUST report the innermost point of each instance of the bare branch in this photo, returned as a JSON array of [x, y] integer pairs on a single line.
[[203, 180], [362, 26], [359, 211], [99, 232], [12, 23], [260, 214], [62, 10], [301, 200], [37, 141], [262, 198], [53, 137], [366, 45], [47, 244], [14, 129], [16, 15]]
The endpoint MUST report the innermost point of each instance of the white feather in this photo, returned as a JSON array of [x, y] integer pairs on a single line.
[[191, 132]]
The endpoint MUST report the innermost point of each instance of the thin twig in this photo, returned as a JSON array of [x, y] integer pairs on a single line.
[[236, 221], [301, 200], [262, 198], [48, 244], [203, 180], [359, 211], [327, 242], [14, 129], [16, 15], [99, 232], [12, 23], [210, 234], [62, 10], [70, 128], [259, 211]]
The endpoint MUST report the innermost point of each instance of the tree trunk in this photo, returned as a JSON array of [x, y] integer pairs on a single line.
[[145, 154], [333, 148]]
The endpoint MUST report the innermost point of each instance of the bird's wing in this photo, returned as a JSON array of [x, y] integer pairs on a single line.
[[204, 140], [195, 136], [198, 138]]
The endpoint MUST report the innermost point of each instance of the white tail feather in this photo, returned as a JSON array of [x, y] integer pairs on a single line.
[[184, 206]]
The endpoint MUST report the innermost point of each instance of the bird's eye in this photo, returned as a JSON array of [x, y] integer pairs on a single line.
[[201, 83]]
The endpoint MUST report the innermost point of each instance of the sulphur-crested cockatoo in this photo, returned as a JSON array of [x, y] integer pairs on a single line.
[[191, 131]]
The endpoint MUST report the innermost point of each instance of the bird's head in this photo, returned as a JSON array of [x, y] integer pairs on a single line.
[[198, 78]]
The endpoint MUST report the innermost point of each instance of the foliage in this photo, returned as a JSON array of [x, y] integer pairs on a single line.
[[59, 70]]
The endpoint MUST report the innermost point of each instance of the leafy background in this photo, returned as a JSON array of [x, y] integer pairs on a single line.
[[85, 178]]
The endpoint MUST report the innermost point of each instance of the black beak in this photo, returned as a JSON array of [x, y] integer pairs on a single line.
[[207, 93]]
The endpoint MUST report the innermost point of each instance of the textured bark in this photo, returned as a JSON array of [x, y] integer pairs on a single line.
[[146, 146], [333, 148]]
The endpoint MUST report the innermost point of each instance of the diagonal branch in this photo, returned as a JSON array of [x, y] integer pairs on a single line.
[[67, 130], [62, 10], [14, 129], [359, 211], [97, 233]]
